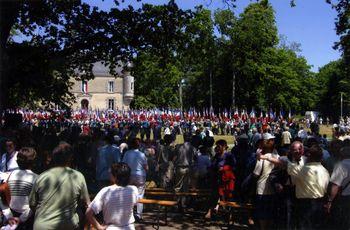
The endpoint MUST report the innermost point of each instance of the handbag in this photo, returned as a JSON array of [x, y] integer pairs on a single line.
[[5, 193]]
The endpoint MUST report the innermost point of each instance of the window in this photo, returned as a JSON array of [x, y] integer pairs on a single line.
[[111, 104], [132, 86], [111, 87], [84, 87]]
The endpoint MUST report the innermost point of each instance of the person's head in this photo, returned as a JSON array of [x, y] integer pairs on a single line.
[[334, 148], [62, 154], [187, 137], [259, 143], [134, 143], [315, 153], [120, 174], [254, 130], [221, 146], [26, 158], [108, 139], [296, 149], [267, 147], [203, 149], [345, 152], [10, 146], [311, 141], [268, 137]]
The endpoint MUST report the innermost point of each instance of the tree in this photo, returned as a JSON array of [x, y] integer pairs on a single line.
[[156, 85], [333, 80], [62, 37], [254, 34], [198, 59], [282, 69]]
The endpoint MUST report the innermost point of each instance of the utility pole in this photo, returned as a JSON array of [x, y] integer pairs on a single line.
[[211, 89], [233, 90], [182, 82], [341, 105]]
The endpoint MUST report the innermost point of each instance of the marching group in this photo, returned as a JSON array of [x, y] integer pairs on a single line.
[[296, 179]]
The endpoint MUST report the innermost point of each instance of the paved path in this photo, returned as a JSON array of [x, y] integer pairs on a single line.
[[185, 221]]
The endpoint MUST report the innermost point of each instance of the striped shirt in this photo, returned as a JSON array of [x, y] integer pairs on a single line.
[[21, 183]]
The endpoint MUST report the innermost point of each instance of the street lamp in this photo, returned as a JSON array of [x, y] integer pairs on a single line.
[[341, 105], [182, 82]]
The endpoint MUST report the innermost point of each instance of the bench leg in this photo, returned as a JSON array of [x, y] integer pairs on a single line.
[[158, 217], [166, 215]]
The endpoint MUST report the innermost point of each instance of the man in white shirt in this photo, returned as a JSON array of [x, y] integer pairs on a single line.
[[9, 159], [340, 189], [311, 181]]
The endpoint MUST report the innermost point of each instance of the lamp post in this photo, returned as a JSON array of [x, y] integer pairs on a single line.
[[341, 105], [182, 82], [211, 89]]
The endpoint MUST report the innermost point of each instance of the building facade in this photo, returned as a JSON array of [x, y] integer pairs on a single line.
[[105, 91]]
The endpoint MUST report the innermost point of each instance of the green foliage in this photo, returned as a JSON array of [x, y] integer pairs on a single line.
[[332, 81], [342, 28], [246, 46], [157, 86], [166, 44], [71, 35]]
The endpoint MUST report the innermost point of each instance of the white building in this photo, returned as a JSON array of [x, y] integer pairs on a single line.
[[105, 91]]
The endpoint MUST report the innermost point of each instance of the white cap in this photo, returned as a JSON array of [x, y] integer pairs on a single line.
[[268, 136]]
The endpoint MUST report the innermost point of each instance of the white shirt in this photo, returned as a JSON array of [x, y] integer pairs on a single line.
[[11, 164], [311, 180], [264, 168], [117, 205], [341, 176], [286, 136], [302, 134]]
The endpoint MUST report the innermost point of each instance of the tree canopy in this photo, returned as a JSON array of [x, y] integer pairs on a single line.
[[231, 60]]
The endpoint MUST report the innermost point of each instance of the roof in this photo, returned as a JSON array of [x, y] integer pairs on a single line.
[[99, 69]]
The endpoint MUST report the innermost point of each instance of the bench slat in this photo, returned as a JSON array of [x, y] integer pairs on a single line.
[[235, 204], [177, 193], [159, 202]]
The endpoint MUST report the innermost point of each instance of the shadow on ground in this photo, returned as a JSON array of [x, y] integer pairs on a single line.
[[188, 220]]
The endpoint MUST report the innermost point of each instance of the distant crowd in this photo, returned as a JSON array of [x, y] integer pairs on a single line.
[[295, 177]]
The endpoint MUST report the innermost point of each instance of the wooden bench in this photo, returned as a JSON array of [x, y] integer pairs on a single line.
[[236, 208], [159, 203], [235, 205], [156, 189], [174, 194]]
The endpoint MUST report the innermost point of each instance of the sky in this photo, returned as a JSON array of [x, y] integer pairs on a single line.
[[310, 23]]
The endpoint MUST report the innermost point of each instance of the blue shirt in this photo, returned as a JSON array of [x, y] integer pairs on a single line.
[[137, 162], [106, 156], [202, 164]]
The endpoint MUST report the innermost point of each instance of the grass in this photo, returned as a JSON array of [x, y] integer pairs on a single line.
[[324, 129], [227, 138]]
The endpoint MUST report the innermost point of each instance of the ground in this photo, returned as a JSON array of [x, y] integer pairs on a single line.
[[188, 220], [323, 130]]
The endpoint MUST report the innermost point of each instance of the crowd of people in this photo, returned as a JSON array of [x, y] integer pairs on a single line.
[[296, 178]]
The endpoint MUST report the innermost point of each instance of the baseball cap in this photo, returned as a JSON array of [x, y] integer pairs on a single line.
[[268, 136]]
